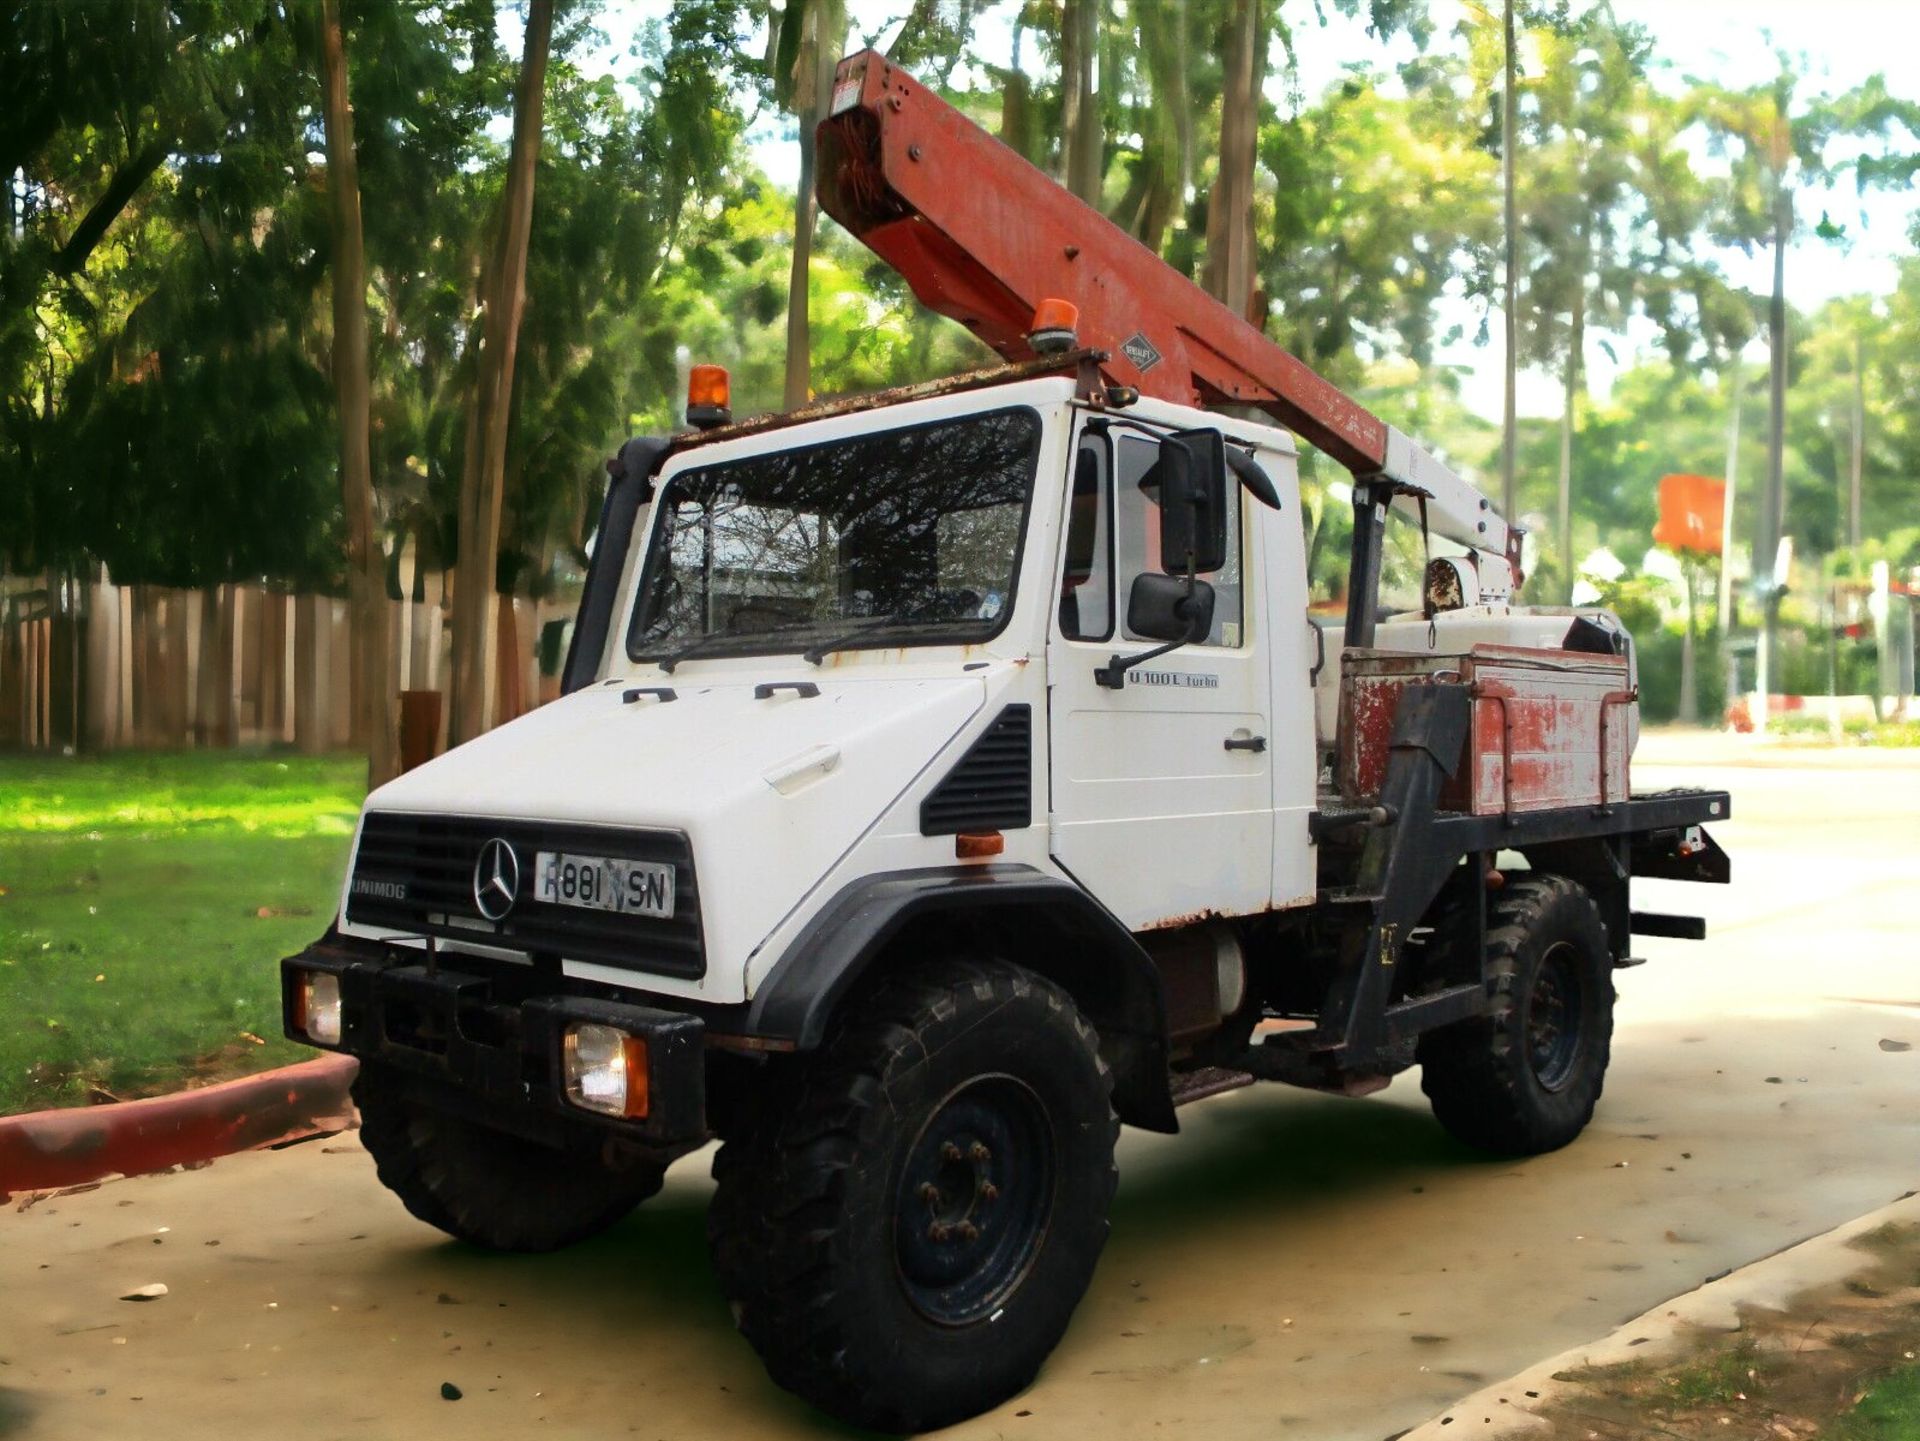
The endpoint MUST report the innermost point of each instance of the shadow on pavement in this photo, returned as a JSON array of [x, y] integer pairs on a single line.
[[15, 1412]]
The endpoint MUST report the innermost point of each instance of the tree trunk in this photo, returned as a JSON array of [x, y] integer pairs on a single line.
[[377, 705], [1689, 673], [1228, 272], [1576, 340], [1159, 183], [812, 92], [1766, 536], [1080, 139], [484, 481], [1859, 441], [92, 229]]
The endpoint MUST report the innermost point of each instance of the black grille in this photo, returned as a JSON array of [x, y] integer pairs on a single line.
[[991, 789], [415, 874]]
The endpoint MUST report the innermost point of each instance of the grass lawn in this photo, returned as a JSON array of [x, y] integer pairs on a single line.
[[1839, 1362], [144, 901]]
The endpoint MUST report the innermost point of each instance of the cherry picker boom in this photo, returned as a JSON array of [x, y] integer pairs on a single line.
[[983, 237]]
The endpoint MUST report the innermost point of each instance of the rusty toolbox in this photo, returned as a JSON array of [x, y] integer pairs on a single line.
[[1551, 728]]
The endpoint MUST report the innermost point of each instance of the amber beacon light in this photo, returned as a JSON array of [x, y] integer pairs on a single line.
[[709, 398], [1055, 327]]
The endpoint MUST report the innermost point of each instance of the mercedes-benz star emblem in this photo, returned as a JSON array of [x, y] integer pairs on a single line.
[[496, 879]]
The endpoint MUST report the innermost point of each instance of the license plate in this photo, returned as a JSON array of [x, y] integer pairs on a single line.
[[604, 883]]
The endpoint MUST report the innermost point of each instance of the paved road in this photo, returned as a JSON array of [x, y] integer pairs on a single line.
[[1336, 1267]]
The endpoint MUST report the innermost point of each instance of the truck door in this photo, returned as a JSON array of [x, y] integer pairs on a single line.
[[1162, 801]]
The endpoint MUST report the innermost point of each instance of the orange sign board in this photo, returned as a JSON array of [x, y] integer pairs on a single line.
[[1691, 507]]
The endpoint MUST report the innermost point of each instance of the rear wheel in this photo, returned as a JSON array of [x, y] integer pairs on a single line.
[[908, 1225], [1525, 1077], [484, 1186]]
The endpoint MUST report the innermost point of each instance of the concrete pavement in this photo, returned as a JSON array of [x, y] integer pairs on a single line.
[[1337, 1268]]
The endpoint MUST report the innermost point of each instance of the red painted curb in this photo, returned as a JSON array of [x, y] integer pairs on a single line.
[[48, 1149]]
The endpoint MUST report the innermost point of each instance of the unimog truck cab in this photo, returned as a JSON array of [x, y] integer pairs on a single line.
[[947, 776]]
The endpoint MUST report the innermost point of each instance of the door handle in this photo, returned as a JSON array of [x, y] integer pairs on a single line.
[[1256, 744]]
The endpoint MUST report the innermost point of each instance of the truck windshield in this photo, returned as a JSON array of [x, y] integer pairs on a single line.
[[898, 537]]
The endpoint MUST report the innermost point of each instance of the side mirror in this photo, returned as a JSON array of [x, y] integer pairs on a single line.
[[1189, 480], [1159, 608]]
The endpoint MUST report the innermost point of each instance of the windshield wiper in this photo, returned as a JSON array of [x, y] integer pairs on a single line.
[[694, 647], [700, 643], [816, 654]]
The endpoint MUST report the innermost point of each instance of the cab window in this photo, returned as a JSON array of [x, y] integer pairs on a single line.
[[1086, 574]]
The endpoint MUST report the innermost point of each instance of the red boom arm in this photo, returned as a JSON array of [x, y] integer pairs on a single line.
[[983, 237]]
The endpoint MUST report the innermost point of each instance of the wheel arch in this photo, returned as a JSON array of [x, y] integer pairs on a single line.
[[1019, 914]]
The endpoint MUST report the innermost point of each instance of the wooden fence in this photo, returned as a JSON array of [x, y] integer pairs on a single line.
[[99, 666]]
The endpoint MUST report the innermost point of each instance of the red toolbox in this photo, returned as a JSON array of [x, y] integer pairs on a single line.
[[1551, 728]]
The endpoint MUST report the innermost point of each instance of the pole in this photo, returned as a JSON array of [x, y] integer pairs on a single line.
[[1729, 663], [1833, 663], [1509, 506], [1773, 501], [1858, 457], [1725, 614]]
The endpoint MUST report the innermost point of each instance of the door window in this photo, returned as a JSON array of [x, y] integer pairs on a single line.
[[1086, 574]]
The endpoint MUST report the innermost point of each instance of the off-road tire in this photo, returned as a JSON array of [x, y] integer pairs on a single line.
[[1484, 1077], [814, 1229], [484, 1186]]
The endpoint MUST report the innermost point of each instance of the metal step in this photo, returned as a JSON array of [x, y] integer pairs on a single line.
[[1207, 1081]]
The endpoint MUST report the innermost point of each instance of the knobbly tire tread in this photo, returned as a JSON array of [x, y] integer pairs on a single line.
[[485, 1187], [1477, 1074], [779, 1223]]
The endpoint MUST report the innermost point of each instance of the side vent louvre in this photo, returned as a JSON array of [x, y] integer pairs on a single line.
[[991, 789]]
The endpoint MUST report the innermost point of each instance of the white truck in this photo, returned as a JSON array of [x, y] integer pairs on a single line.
[[948, 776]]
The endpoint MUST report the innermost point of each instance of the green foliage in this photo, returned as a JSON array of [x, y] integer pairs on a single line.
[[164, 332], [1358, 273], [1722, 1376], [1890, 1411], [146, 899]]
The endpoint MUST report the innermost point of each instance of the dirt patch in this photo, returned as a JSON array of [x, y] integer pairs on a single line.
[[1824, 1366]]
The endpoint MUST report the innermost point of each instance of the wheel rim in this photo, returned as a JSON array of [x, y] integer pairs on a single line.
[[974, 1200], [1555, 1013]]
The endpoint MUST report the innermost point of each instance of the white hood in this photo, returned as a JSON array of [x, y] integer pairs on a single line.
[[772, 791]]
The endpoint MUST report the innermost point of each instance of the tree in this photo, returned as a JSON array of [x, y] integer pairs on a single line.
[[1358, 274], [1581, 221], [1082, 159], [806, 46], [366, 569], [1228, 273], [483, 481], [1160, 174], [1778, 144]]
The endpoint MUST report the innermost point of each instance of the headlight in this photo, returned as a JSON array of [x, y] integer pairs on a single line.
[[317, 1007], [605, 1070]]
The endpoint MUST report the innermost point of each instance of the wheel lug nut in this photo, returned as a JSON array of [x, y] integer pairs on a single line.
[[939, 1231], [980, 1155], [949, 1151], [968, 1231], [930, 1193], [989, 1191]]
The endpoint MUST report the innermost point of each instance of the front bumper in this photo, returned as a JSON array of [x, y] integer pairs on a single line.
[[499, 1061]]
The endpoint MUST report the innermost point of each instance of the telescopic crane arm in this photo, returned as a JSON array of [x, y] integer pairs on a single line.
[[983, 237]]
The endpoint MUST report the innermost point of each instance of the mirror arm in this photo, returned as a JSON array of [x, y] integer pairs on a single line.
[[1113, 675]]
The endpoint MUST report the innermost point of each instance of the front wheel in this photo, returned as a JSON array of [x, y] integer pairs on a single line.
[[907, 1227], [486, 1187], [1525, 1078]]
